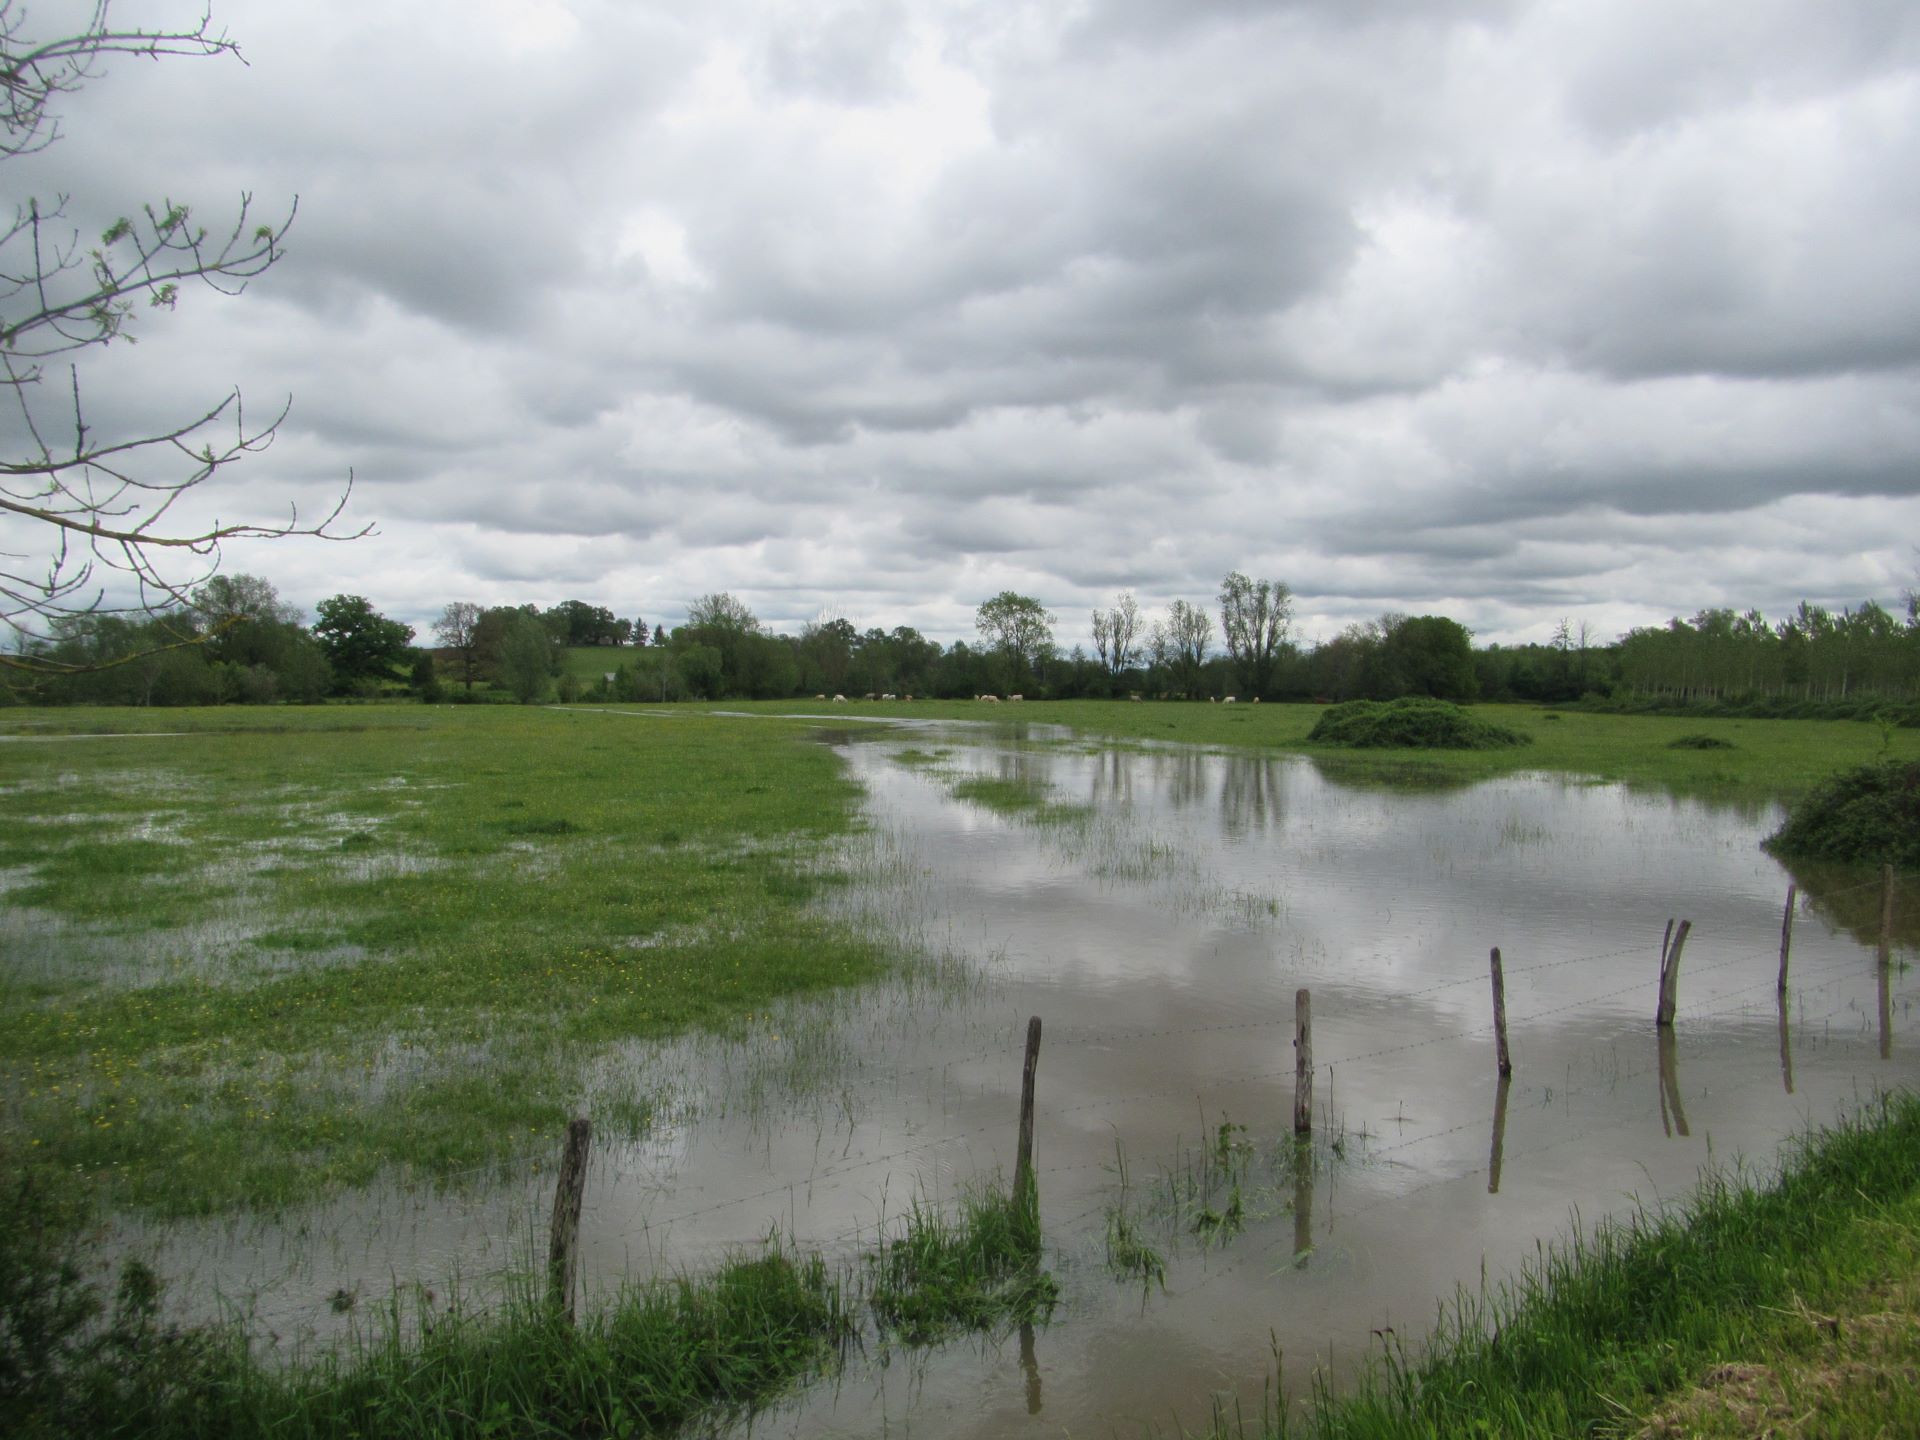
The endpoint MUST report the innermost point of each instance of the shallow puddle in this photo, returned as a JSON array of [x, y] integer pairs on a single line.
[[1159, 908]]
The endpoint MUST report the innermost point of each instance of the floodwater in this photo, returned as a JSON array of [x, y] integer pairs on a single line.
[[1159, 908]]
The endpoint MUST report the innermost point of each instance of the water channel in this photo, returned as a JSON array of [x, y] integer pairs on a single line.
[[1159, 907]]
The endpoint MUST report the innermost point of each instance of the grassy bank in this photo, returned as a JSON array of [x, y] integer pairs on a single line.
[[1766, 759], [278, 953], [1789, 1307]]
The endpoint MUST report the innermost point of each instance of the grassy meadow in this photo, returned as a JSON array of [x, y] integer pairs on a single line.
[[273, 954]]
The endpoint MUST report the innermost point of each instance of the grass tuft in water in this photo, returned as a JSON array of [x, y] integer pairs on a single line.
[[976, 1272]]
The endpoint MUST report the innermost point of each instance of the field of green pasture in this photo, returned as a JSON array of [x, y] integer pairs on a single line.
[[274, 952]]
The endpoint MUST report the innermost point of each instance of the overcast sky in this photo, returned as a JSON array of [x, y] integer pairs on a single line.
[[1506, 311]]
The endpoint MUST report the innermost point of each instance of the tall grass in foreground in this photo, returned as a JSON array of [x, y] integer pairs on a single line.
[[1594, 1337], [71, 1364], [80, 1357]]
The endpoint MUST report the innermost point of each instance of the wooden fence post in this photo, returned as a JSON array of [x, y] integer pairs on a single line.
[[1023, 1181], [1302, 1062], [1886, 914], [1500, 1016], [1786, 935], [564, 1234], [1670, 977]]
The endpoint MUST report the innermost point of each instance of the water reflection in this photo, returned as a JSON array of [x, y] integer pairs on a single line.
[[1786, 1045], [1850, 897], [1672, 1117], [1030, 1367], [1885, 975], [1303, 1168], [1501, 1087]]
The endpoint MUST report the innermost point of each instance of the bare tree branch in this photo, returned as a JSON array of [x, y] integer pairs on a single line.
[[111, 504]]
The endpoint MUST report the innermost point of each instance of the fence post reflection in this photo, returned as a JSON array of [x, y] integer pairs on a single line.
[[1786, 1047], [1504, 1084], [1672, 1117], [1302, 1201]]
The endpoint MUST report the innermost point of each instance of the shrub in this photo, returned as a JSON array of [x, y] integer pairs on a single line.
[[1871, 813], [1411, 724], [1700, 742]]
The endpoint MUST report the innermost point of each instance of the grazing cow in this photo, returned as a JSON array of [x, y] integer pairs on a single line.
[[889, 697], [1012, 698], [839, 699], [906, 697], [1254, 701], [1134, 695], [1228, 701], [988, 699], [819, 697], [1213, 699]]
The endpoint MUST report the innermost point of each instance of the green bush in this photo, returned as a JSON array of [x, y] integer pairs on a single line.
[[1871, 813], [1411, 724], [1700, 742]]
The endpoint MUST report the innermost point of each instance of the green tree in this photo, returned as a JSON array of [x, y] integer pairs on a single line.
[[1255, 616], [458, 630], [1430, 655], [1116, 634], [361, 644], [526, 657], [1184, 641], [1020, 629]]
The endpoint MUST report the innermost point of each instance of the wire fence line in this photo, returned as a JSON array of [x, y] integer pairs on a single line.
[[618, 1223]]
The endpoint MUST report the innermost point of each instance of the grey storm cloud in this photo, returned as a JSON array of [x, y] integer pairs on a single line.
[[1503, 309]]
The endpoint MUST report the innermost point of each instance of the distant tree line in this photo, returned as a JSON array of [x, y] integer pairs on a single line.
[[239, 643]]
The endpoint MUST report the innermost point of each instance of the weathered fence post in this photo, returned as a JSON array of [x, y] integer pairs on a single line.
[[1302, 1062], [1786, 935], [1500, 1016], [1886, 914], [564, 1235], [1023, 1181], [1670, 976]]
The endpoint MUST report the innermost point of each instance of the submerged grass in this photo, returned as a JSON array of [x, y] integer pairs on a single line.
[[286, 950], [977, 1271], [1624, 1331]]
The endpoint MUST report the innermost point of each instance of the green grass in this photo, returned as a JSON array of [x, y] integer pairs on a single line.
[[71, 1362], [1772, 759], [1621, 1331], [1410, 724], [976, 1271], [291, 949]]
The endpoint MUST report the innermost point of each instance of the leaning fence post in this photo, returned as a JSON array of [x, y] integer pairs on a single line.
[[1302, 1062], [564, 1235], [1670, 978], [1786, 935], [1500, 1015], [1886, 914], [1023, 1181]]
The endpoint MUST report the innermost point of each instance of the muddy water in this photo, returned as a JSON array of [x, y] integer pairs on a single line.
[[1158, 909]]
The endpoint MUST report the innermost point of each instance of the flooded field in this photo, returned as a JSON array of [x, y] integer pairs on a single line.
[[1158, 908]]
